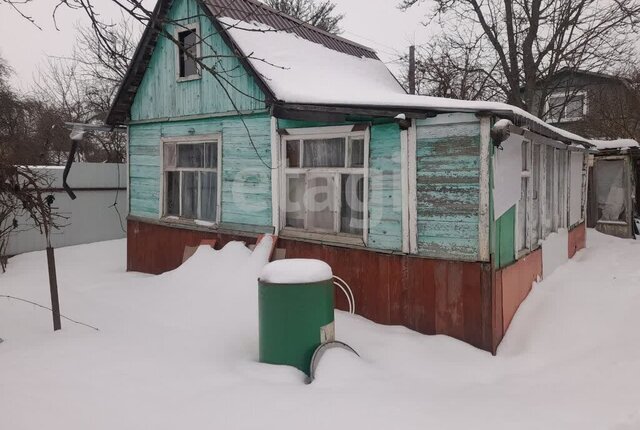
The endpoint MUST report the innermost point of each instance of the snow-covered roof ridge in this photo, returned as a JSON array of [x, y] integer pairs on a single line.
[[299, 71], [602, 144]]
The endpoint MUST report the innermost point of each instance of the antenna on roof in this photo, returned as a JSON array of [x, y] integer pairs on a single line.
[[412, 69]]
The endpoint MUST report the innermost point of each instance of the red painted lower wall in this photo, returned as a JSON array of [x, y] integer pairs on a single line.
[[427, 295], [513, 283], [577, 239]]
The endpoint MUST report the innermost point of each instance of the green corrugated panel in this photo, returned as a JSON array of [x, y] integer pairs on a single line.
[[505, 238]]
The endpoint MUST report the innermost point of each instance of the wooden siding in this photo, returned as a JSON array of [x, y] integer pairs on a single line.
[[160, 94], [385, 188], [448, 186], [427, 295], [246, 181]]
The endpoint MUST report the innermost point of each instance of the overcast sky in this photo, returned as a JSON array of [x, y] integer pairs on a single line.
[[374, 23]]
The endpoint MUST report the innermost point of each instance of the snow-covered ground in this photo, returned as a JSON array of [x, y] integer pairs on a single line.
[[178, 351]]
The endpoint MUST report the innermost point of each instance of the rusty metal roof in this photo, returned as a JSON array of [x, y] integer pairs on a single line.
[[253, 10]]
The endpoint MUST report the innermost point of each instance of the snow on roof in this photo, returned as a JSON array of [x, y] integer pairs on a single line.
[[615, 144], [300, 71]]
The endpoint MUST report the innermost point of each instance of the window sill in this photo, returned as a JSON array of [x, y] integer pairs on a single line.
[[188, 78], [344, 239], [208, 225]]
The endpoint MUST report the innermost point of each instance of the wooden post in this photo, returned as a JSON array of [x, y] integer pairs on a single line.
[[412, 69], [53, 285]]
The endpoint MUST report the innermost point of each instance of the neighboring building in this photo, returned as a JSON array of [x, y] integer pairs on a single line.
[[593, 105], [96, 214], [307, 135]]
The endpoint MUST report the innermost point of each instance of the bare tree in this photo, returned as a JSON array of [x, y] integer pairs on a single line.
[[320, 14], [454, 67], [531, 40]]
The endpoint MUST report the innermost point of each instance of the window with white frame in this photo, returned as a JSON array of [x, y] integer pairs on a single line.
[[191, 178], [325, 181], [188, 50], [567, 106]]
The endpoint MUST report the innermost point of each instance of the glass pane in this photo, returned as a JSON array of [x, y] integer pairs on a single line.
[[356, 152], [574, 107], [321, 210], [211, 155], [169, 156], [295, 201], [324, 152], [188, 39], [610, 190], [173, 193], [189, 194], [191, 155], [208, 196], [556, 105], [293, 153], [351, 216]]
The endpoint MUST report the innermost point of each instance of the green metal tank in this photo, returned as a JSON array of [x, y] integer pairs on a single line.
[[295, 317]]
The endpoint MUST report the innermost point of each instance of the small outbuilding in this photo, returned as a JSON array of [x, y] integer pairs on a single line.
[[440, 214], [614, 188]]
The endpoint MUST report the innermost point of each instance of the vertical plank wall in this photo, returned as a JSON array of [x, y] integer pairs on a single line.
[[160, 94], [448, 186], [246, 181], [385, 189]]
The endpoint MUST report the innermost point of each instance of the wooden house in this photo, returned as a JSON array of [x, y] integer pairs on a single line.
[[439, 213]]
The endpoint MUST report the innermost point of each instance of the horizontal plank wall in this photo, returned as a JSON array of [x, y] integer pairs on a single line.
[[160, 94], [448, 186], [246, 190], [428, 295]]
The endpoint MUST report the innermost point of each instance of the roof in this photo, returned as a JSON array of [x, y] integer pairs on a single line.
[[242, 10], [255, 11], [602, 145], [308, 68]]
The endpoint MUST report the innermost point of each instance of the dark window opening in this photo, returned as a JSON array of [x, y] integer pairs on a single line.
[[188, 52]]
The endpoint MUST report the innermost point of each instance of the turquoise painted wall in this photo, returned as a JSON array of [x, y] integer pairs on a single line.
[[161, 96], [385, 192], [246, 181], [448, 186], [385, 188]]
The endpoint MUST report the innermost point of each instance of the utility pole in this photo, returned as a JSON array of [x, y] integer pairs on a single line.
[[412, 69]]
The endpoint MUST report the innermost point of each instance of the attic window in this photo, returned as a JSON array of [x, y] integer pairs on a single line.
[[188, 51]]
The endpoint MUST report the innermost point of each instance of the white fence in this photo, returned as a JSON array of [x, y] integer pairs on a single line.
[[91, 217]]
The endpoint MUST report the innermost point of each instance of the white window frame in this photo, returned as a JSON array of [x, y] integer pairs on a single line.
[[525, 243], [301, 134], [180, 28], [181, 140], [566, 95]]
